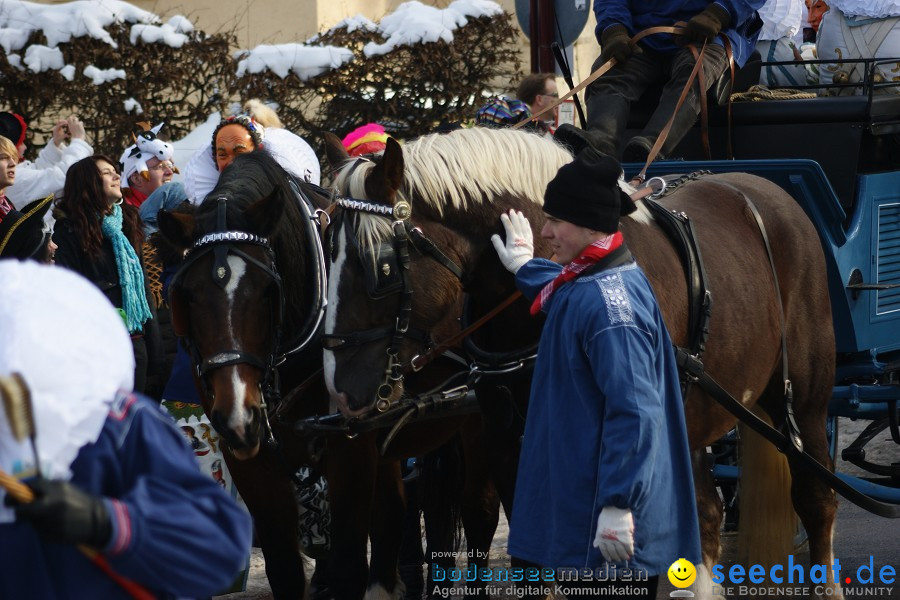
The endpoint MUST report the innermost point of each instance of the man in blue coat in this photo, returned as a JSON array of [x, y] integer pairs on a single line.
[[604, 476], [660, 59]]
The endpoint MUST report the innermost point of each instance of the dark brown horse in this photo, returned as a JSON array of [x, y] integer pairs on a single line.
[[457, 186], [238, 315], [251, 289]]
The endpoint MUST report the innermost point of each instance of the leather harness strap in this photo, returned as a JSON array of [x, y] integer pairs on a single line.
[[420, 360], [784, 445], [691, 364]]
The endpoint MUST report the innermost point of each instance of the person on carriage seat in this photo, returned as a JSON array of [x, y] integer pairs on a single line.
[[658, 58], [858, 29], [605, 474]]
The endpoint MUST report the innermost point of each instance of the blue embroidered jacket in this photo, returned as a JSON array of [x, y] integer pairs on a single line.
[[605, 426]]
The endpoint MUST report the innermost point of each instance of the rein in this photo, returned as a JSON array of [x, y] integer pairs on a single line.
[[697, 72]]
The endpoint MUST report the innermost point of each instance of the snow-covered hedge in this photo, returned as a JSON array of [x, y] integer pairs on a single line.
[[114, 64]]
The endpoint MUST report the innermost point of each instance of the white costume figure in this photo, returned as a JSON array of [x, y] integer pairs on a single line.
[[290, 151], [781, 22], [859, 29]]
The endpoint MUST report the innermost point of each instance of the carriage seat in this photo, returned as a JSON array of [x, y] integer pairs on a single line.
[[883, 112]]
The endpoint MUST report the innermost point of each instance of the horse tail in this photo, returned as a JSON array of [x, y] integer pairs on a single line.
[[767, 519], [442, 480]]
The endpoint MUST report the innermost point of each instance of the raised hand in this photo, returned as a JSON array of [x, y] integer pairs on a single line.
[[519, 246], [76, 128]]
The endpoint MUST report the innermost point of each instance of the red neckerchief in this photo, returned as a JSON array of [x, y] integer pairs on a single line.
[[5, 206], [133, 197], [589, 257]]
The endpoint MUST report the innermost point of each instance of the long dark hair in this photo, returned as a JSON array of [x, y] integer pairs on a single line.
[[85, 203]]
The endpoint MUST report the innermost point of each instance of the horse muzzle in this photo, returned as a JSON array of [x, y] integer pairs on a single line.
[[243, 438], [341, 402]]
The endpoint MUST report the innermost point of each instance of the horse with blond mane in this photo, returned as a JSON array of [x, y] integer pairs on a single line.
[[456, 186]]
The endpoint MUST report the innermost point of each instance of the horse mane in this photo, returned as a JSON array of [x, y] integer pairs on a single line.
[[252, 177], [452, 172]]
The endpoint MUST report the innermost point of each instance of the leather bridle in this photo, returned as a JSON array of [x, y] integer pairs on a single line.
[[224, 243], [404, 235]]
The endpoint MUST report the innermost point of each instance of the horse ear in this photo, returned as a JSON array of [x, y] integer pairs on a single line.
[[334, 150], [387, 176], [264, 214], [177, 228]]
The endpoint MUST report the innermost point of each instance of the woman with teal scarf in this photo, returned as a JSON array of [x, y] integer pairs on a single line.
[[100, 237]]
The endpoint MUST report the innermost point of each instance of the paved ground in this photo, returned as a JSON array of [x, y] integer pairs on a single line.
[[859, 537]]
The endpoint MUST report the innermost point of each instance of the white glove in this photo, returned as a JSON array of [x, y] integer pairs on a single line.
[[519, 248], [615, 534]]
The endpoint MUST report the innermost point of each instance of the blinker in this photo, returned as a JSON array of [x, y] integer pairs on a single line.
[[382, 279]]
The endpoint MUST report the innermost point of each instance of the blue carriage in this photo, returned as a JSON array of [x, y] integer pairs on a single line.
[[839, 157]]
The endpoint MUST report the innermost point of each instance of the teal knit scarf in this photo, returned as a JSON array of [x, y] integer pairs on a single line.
[[131, 276]]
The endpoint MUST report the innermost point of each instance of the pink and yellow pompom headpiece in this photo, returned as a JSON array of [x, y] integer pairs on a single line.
[[366, 139]]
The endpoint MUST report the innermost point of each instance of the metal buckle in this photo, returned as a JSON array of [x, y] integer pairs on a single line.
[[455, 393], [402, 210]]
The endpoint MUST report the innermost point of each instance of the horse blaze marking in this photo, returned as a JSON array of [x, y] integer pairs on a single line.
[[238, 268], [239, 416], [334, 284]]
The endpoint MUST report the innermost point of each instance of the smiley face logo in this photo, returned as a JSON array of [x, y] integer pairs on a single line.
[[682, 573]]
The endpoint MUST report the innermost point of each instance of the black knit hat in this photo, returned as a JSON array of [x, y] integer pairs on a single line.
[[586, 192], [22, 233]]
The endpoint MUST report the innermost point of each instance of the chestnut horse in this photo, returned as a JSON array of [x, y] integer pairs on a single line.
[[250, 290], [458, 184]]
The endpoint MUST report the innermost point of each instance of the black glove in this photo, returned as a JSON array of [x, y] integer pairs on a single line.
[[705, 26], [616, 43], [63, 513]]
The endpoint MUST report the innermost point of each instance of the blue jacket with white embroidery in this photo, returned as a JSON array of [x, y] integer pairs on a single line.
[[605, 426], [175, 531]]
